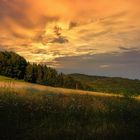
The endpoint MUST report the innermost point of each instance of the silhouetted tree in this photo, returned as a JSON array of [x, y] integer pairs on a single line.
[[12, 65], [15, 66]]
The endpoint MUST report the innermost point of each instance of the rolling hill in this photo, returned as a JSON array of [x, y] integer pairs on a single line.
[[110, 84], [22, 87]]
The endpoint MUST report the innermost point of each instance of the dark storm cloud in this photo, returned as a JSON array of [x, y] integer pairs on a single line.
[[61, 40], [116, 64], [72, 25]]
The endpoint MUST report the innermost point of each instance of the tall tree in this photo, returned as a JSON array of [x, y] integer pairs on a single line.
[[12, 65]]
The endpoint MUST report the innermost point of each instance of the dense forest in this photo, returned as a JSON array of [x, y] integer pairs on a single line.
[[15, 66]]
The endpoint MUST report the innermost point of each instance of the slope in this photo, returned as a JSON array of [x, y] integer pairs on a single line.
[[110, 84]]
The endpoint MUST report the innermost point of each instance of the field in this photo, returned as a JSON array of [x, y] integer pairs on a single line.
[[35, 112], [24, 88]]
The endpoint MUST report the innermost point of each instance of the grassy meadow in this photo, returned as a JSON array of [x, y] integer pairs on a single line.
[[35, 112]]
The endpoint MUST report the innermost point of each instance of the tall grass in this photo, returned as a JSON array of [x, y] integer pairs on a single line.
[[33, 116]]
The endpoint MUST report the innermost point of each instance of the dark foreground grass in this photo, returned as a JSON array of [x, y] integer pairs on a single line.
[[73, 117]]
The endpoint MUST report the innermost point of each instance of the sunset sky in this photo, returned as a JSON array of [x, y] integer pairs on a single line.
[[97, 37]]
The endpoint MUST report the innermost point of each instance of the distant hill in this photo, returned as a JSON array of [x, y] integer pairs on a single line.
[[109, 84]]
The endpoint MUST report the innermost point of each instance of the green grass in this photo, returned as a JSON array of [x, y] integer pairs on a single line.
[[4, 78], [8, 79]]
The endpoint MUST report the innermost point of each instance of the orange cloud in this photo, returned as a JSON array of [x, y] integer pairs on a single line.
[[91, 26]]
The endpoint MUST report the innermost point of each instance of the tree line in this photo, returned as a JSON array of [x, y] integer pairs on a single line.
[[15, 66]]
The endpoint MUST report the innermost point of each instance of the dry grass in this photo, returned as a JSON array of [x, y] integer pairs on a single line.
[[23, 86], [72, 116], [30, 114], [9, 84]]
